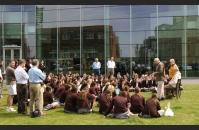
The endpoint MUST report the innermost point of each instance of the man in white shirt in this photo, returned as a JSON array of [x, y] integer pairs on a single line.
[[110, 66], [96, 67], [22, 88]]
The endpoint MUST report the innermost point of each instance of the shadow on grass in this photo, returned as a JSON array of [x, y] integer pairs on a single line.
[[12, 115], [177, 107], [74, 113]]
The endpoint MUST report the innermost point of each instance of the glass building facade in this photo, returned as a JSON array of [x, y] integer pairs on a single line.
[[69, 37]]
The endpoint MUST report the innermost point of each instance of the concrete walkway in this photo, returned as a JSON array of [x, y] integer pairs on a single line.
[[191, 81]]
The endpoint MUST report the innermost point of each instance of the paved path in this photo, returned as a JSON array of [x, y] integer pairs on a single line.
[[191, 81]]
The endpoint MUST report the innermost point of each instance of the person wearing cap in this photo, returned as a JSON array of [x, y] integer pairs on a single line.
[[137, 102], [96, 67], [160, 77], [152, 107]]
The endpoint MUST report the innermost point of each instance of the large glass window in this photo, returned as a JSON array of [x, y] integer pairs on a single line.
[[192, 47], [1, 39], [69, 39], [46, 36], [12, 8], [119, 34], [92, 44], [171, 34], [144, 36]]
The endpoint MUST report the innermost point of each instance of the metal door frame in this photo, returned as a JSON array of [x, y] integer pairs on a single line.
[[11, 48]]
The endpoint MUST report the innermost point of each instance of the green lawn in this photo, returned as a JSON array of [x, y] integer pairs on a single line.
[[186, 112]]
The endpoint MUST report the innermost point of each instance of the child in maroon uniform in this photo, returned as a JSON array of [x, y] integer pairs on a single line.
[[71, 100], [85, 100]]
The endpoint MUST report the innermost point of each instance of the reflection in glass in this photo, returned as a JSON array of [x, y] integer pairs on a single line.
[[29, 17], [70, 14], [146, 24], [93, 13], [120, 24], [144, 11], [49, 16], [12, 8], [28, 8], [92, 42], [116, 12], [12, 17], [171, 10]]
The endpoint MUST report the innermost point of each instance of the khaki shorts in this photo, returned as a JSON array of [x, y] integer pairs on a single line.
[[12, 89]]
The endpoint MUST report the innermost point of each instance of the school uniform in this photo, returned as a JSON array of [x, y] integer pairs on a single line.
[[152, 107], [71, 102], [119, 105], [104, 103], [137, 103]]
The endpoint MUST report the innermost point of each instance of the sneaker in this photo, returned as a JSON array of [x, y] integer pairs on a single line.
[[10, 109]]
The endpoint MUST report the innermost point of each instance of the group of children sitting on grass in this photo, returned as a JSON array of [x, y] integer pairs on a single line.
[[79, 94]]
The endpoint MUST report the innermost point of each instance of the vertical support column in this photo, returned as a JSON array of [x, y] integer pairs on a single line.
[[80, 43], [21, 30], [106, 36], [3, 39], [20, 52], [157, 31], [58, 25], [184, 40], [12, 54], [131, 44], [39, 20], [4, 59]]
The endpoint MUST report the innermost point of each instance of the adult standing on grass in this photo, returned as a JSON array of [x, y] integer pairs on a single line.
[[22, 87], [11, 85], [96, 67], [111, 66], [159, 76], [36, 78]]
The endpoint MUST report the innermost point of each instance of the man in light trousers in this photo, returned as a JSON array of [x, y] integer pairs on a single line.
[[36, 78], [160, 77]]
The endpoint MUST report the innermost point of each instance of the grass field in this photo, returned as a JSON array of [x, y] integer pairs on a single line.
[[186, 112]]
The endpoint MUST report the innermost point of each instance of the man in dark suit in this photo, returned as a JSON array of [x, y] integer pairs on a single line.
[[160, 77]]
